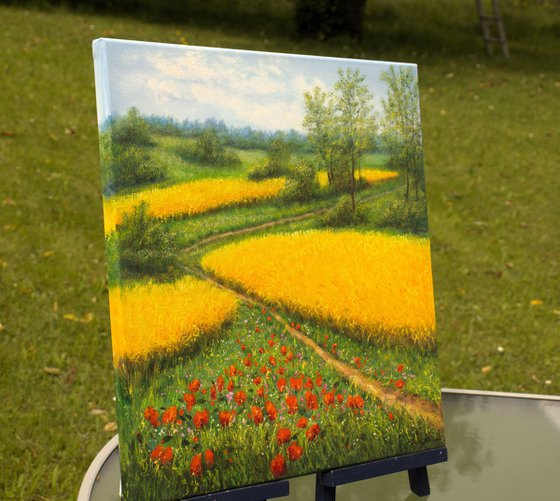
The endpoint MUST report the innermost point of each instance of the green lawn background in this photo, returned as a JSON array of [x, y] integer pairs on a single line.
[[491, 151]]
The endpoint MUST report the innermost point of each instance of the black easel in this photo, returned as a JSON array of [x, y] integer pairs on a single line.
[[259, 492], [415, 464]]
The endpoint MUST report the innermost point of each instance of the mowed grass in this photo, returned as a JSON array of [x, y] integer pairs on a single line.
[[491, 148], [152, 319], [376, 286], [188, 199]]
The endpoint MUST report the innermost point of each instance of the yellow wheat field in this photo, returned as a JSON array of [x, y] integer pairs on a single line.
[[370, 175], [163, 317], [191, 198], [376, 285]]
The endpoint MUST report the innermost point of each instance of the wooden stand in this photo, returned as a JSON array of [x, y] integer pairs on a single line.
[[260, 492], [415, 464]]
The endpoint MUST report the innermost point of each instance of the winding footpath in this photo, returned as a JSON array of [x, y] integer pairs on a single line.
[[277, 222], [413, 405]]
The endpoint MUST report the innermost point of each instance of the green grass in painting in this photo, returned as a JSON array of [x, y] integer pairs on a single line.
[[257, 358], [491, 144], [192, 229]]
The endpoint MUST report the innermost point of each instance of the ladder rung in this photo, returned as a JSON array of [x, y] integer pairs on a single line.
[[496, 40]]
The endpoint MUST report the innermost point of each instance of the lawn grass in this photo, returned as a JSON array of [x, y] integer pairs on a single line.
[[491, 150]]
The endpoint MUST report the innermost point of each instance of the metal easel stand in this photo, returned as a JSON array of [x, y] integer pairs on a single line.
[[416, 465]]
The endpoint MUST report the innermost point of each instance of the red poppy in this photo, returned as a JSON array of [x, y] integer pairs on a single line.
[[391, 416], [292, 403], [157, 452], [328, 398], [312, 432], [240, 397], [281, 384], [196, 465], [340, 398], [271, 343], [283, 436], [247, 361], [355, 402], [257, 380], [296, 383], [358, 362], [260, 391], [400, 367], [220, 383], [298, 327], [283, 350], [190, 400], [263, 370], [311, 400], [257, 329], [201, 419], [271, 410], [243, 347], [278, 466], [334, 347], [294, 451], [170, 415], [281, 370], [230, 385], [213, 392], [318, 380], [194, 385], [232, 370], [261, 350], [309, 384], [225, 418], [272, 360], [151, 415], [256, 414], [269, 319], [167, 455], [209, 457], [302, 422], [289, 356], [399, 383]]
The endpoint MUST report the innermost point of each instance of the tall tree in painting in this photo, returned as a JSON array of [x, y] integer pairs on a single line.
[[401, 126], [319, 122], [355, 122], [341, 127]]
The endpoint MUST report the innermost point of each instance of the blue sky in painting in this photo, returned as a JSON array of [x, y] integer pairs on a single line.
[[262, 90]]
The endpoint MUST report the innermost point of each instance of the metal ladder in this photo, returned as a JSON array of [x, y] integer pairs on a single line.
[[485, 22]]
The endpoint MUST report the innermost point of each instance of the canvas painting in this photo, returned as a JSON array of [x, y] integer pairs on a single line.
[[270, 284]]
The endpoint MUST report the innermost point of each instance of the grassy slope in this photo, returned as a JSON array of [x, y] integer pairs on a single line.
[[492, 186]]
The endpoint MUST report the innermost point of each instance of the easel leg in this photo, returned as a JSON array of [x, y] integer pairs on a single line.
[[324, 492], [419, 482]]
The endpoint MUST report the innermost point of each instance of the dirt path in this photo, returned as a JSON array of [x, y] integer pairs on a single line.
[[411, 404], [271, 224], [398, 401]]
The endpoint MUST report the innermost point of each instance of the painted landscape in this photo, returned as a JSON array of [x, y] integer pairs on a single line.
[[269, 269]]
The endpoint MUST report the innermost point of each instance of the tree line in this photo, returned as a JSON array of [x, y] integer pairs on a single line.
[[342, 126]]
